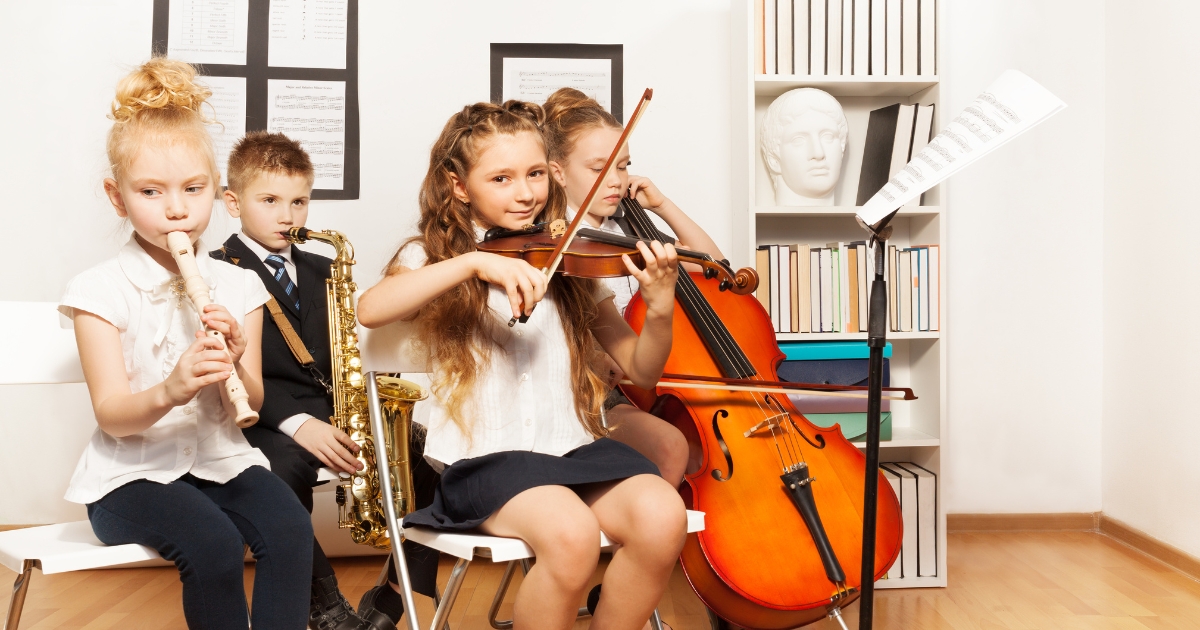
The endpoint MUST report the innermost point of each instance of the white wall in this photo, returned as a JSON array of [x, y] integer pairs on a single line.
[[1025, 361], [419, 63], [1151, 267]]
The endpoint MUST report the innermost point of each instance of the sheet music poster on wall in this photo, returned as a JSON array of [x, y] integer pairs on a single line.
[[532, 72], [288, 66]]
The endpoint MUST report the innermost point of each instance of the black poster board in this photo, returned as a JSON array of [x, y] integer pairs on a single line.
[[613, 52], [257, 73]]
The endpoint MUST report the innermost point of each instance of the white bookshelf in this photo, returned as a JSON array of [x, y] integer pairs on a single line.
[[919, 358]]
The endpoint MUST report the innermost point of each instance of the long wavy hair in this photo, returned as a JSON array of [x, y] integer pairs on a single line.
[[456, 328]]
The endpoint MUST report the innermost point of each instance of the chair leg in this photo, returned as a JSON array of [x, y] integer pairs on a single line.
[[446, 602], [20, 588], [655, 621], [501, 590], [383, 573]]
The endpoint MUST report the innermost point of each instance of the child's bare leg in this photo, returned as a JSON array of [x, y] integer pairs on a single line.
[[565, 536], [653, 437], [646, 515]]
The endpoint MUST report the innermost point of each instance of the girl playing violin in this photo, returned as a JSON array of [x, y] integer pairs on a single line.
[[580, 135], [515, 424]]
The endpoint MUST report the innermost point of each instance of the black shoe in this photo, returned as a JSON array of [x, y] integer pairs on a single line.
[[593, 599], [372, 617], [328, 608]]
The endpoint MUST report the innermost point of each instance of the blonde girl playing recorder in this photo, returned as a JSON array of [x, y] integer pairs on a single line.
[[580, 135], [516, 423], [167, 467]]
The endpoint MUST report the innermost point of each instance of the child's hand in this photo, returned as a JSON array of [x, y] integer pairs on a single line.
[[330, 444], [216, 317], [204, 362], [657, 280], [525, 284], [647, 194]]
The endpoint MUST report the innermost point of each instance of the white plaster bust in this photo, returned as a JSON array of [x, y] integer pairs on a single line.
[[803, 140]]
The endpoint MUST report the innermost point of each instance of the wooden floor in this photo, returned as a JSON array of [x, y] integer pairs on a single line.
[[1018, 581]]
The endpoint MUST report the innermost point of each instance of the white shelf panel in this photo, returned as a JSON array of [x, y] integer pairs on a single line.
[[920, 582], [931, 334], [905, 437], [836, 211], [776, 84]]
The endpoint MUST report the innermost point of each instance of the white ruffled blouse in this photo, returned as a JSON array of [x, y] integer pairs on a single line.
[[157, 324]]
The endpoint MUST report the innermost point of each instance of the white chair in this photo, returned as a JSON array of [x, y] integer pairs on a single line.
[[45, 353], [388, 350]]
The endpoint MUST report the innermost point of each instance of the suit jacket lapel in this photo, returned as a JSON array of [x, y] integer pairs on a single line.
[[248, 260]]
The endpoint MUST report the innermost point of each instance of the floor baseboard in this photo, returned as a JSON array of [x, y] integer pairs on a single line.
[[1064, 521], [1079, 522], [4, 528], [1151, 546]]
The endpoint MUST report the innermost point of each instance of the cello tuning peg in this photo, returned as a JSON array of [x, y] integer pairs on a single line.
[[710, 273], [725, 285]]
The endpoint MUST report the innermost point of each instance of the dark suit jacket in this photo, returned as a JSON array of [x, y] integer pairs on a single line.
[[288, 388]]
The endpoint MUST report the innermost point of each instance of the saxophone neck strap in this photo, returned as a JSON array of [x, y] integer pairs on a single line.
[[289, 334]]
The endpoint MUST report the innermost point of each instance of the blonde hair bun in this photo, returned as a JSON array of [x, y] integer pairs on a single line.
[[567, 100], [159, 84]]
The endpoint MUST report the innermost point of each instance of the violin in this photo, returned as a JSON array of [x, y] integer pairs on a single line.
[[597, 254], [782, 543]]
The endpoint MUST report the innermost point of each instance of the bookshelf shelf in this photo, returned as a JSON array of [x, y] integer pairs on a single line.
[[842, 336], [837, 211], [906, 437], [774, 85], [920, 357]]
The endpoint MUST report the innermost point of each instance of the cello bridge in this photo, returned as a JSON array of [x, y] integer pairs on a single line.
[[769, 423]]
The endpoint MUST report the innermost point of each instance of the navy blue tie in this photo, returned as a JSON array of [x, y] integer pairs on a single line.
[[276, 262]]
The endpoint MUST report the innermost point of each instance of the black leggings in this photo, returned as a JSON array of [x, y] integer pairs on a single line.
[[201, 526]]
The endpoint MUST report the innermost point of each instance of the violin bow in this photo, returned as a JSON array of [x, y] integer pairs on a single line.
[[751, 385], [577, 222]]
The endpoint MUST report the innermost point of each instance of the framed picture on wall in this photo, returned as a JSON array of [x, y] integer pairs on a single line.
[[532, 72], [282, 67]]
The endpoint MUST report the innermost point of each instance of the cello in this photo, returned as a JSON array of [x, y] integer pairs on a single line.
[[782, 497]]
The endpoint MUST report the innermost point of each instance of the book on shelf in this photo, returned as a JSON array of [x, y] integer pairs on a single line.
[[862, 37], [896, 571], [878, 12], [817, 40], [814, 288], [801, 33], [910, 38], [763, 267], [892, 38], [927, 521], [927, 37], [833, 41], [894, 134], [909, 517], [784, 37], [916, 489], [845, 37], [922, 132]]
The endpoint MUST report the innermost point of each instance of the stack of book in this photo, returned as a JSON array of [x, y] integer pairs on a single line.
[[916, 488], [824, 289], [846, 37], [896, 134]]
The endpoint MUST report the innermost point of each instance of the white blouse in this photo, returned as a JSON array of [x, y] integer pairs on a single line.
[[622, 287], [522, 400], [134, 293]]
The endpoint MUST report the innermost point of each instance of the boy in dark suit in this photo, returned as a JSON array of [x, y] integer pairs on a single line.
[[270, 183]]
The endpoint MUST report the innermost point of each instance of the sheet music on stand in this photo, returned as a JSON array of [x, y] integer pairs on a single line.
[[1012, 105], [282, 66]]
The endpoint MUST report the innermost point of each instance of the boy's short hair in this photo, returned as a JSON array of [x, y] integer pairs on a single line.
[[261, 152]]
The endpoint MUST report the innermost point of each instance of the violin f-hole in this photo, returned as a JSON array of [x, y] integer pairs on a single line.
[[718, 475]]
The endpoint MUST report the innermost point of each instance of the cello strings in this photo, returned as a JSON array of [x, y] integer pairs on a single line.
[[726, 345]]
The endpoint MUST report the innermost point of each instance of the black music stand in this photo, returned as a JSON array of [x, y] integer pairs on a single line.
[[876, 340]]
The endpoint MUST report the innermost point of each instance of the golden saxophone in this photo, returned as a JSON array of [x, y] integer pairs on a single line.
[[360, 500]]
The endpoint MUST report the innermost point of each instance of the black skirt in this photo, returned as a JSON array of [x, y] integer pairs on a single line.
[[473, 489]]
